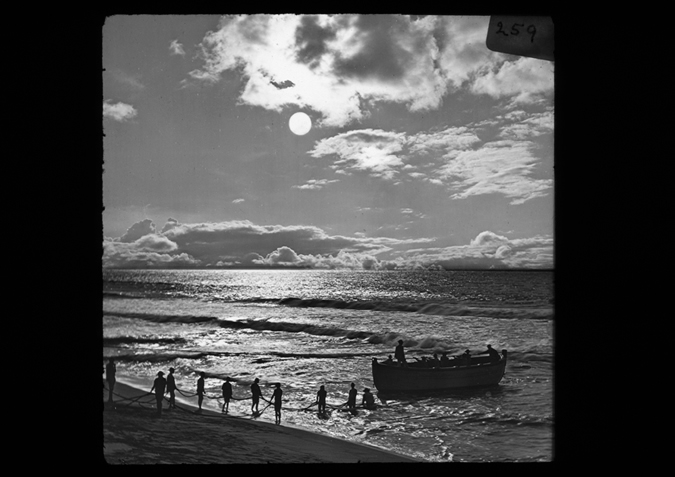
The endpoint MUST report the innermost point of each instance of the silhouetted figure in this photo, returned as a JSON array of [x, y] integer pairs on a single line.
[[159, 386], [227, 394], [255, 396], [110, 370], [388, 360], [466, 358], [399, 353], [368, 399], [435, 362], [494, 354], [171, 387], [445, 361], [200, 389], [351, 401], [321, 399], [276, 396]]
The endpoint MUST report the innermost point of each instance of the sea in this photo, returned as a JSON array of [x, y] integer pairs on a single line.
[[308, 328]]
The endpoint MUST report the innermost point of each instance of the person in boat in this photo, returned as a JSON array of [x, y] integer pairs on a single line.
[[110, 370], [159, 386], [227, 395], [466, 358], [255, 396], [276, 396], [434, 361], [321, 399], [389, 360], [399, 353], [368, 399], [494, 354], [171, 387], [445, 361], [200, 389], [351, 401]]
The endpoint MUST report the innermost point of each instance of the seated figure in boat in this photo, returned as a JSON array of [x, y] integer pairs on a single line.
[[466, 358], [445, 361], [494, 354], [389, 360]]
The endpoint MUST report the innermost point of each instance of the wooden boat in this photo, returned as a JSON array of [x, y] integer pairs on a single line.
[[418, 376]]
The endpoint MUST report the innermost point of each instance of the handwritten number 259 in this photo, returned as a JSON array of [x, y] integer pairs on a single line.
[[515, 31]]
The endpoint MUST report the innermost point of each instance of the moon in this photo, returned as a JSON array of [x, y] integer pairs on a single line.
[[300, 124]]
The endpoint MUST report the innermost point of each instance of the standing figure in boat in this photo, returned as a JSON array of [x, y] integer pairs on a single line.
[[399, 353]]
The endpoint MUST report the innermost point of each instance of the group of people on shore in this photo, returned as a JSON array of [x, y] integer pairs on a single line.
[[161, 386]]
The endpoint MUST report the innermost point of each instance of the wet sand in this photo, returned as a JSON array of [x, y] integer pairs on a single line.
[[133, 433]]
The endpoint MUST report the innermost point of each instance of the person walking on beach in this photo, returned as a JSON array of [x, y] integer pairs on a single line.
[[200, 389], [159, 386], [227, 395], [171, 387], [321, 399], [255, 396], [110, 370], [276, 396], [368, 399], [399, 353], [351, 401]]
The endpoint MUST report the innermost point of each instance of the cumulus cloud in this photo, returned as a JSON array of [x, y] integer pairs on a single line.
[[118, 111], [237, 201], [176, 48], [339, 65], [524, 79], [244, 244], [487, 250]]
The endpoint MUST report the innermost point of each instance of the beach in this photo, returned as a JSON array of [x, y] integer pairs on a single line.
[[134, 434]]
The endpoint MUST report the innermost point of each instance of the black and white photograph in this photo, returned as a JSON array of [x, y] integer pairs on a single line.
[[327, 238]]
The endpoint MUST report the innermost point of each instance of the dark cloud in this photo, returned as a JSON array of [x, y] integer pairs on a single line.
[[311, 38], [283, 84], [380, 56]]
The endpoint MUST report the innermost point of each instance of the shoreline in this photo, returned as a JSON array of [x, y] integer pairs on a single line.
[[133, 433]]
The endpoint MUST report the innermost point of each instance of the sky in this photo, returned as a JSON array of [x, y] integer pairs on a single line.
[[426, 150]]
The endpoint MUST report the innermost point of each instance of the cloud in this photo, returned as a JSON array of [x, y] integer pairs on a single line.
[[455, 157], [118, 111], [341, 65], [524, 79], [176, 48], [138, 230], [487, 250], [500, 167], [314, 184], [372, 150], [237, 201], [244, 244]]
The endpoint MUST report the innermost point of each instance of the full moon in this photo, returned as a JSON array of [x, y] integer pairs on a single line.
[[300, 124]]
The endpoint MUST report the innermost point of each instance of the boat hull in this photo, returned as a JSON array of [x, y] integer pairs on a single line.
[[393, 377]]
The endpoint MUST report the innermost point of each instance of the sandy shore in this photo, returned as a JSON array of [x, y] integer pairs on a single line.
[[134, 434]]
